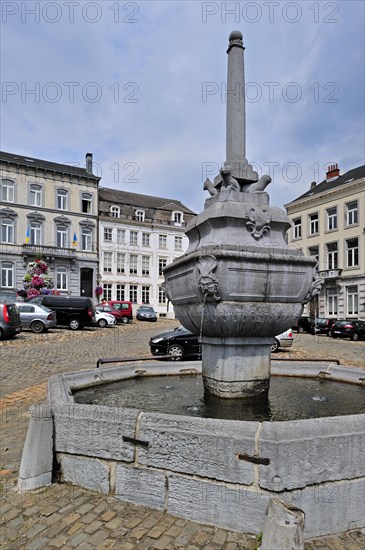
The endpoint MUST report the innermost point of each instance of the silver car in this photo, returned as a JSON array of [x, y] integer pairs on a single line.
[[283, 340], [36, 317]]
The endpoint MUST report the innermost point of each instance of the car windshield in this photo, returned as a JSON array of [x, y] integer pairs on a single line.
[[146, 308]]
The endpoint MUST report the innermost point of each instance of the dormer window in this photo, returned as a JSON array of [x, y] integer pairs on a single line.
[[140, 214], [177, 218], [115, 211]]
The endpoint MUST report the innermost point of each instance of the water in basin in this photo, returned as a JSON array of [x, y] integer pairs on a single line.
[[288, 398]]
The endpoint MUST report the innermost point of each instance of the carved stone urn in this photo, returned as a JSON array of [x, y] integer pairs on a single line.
[[238, 284]]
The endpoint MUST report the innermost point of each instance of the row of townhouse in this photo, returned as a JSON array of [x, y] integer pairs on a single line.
[[88, 235], [329, 223]]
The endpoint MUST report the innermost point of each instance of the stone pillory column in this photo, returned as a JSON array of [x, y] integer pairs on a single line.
[[235, 113], [238, 284]]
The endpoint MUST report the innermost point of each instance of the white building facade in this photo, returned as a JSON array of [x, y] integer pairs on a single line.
[[139, 235], [329, 223], [50, 211]]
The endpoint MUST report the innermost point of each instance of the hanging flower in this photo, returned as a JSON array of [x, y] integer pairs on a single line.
[[99, 290]]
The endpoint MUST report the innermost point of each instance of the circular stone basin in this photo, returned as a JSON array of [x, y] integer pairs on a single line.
[[288, 398]]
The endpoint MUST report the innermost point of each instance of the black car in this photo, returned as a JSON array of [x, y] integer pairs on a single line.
[[10, 323], [180, 343], [323, 325], [353, 329], [146, 313], [74, 311], [304, 324]]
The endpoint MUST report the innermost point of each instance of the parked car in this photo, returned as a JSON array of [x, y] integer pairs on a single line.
[[103, 319], [322, 325], [304, 324], [106, 308], [180, 343], [10, 323], [125, 307], [354, 329], [74, 311], [146, 313], [283, 340], [36, 317]]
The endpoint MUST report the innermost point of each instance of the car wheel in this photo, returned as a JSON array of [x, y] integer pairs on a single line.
[[125, 320], [300, 329], [74, 324], [355, 337], [275, 346], [102, 323], [37, 327], [176, 351], [1, 334]]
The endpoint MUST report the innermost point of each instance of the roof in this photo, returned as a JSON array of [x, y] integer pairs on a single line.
[[115, 196], [347, 177], [40, 164]]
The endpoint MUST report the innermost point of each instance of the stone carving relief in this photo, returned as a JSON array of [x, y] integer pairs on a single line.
[[315, 287], [258, 222], [208, 283]]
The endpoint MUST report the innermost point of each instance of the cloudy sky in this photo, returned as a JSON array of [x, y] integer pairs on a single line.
[[141, 86]]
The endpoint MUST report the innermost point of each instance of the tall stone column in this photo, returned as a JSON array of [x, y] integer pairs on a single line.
[[236, 112]]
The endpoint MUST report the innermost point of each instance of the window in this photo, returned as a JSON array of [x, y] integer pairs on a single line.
[[107, 291], [313, 224], [133, 264], [314, 251], [61, 278], [107, 262], [61, 236], [115, 211], [332, 218], [146, 239], [177, 218], [140, 215], [145, 294], [332, 301], [297, 228], [86, 203], [120, 264], [7, 191], [332, 256], [352, 300], [178, 243], [7, 275], [145, 265], [161, 295], [162, 241], [352, 252], [35, 233], [120, 236], [35, 195], [162, 263], [120, 292], [133, 237], [7, 230], [351, 213], [108, 234], [86, 239], [133, 290], [62, 199]]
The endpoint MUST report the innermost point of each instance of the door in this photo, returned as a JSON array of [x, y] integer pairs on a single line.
[[86, 282]]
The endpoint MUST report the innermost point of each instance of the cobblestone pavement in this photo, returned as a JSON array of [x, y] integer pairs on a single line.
[[68, 517]]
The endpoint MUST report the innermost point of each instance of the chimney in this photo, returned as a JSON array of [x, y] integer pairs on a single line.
[[89, 163], [313, 184], [333, 172]]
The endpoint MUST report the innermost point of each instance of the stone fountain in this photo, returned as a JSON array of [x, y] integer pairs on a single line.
[[238, 283]]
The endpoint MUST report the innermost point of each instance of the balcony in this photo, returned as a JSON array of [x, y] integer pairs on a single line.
[[48, 252], [330, 273]]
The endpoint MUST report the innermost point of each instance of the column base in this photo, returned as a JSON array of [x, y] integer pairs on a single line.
[[236, 367]]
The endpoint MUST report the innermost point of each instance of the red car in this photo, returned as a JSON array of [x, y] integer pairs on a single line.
[[108, 309]]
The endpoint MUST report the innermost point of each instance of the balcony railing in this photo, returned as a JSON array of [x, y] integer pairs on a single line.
[[48, 251], [330, 273]]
